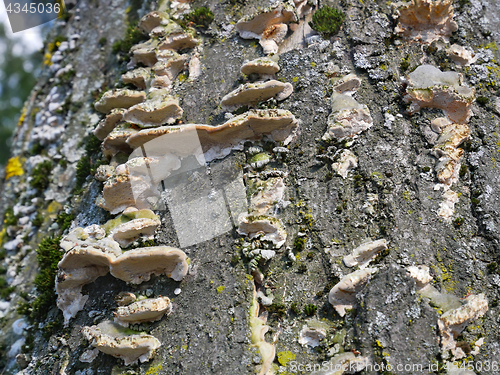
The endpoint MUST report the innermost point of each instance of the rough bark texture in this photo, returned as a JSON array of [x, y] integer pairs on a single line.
[[208, 331]]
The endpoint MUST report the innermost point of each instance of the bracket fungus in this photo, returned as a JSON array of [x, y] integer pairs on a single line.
[[348, 118], [128, 227], [139, 77], [144, 53], [264, 67], [179, 40], [364, 254], [88, 256], [266, 194], [343, 295], [152, 20], [270, 26], [159, 110], [264, 227], [119, 343], [429, 87], [119, 98], [218, 141], [258, 329], [146, 310], [345, 163], [453, 322], [460, 55], [312, 333], [253, 93], [425, 20], [108, 124], [136, 266], [116, 141]]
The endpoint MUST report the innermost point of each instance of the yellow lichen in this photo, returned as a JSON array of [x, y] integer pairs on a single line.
[[13, 168], [220, 289], [285, 357], [153, 370]]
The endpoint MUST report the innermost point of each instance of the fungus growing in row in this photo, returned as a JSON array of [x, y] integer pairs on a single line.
[[139, 77], [167, 70], [116, 141], [118, 342], [136, 266], [269, 26], [119, 98], [144, 53], [345, 163], [266, 194], [146, 310], [258, 329], [425, 20], [250, 94], [88, 256], [152, 20], [179, 40], [128, 227], [364, 254], [108, 124], [263, 67], [343, 295], [348, 84], [429, 87], [218, 141], [158, 110], [117, 194], [125, 298], [348, 118], [453, 322], [266, 228]]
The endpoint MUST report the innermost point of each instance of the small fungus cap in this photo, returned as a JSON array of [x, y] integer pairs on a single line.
[[261, 66], [252, 93], [119, 98]]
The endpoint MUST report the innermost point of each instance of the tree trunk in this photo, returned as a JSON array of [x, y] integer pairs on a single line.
[[385, 179]]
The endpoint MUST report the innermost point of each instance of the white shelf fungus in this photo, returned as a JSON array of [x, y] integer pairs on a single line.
[[364, 254], [119, 343], [139, 77], [155, 112], [115, 141], [266, 228], [348, 119], [264, 67], [119, 98], [453, 322], [146, 310], [252, 93], [425, 20], [343, 295], [136, 266], [107, 124], [345, 163]]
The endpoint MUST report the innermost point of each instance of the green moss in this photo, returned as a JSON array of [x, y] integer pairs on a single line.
[[38, 220], [9, 218], [277, 308], [132, 36], [299, 244], [103, 41], [82, 171], [310, 309], [426, 169], [40, 176], [482, 100], [327, 21], [5, 289], [295, 308], [200, 17], [64, 220], [48, 255], [405, 63], [302, 268], [492, 267]]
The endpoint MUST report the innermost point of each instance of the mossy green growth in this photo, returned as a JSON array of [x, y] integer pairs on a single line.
[[132, 36], [5, 289], [64, 220], [327, 21], [299, 244], [482, 100], [278, 309], [48, 256], [40, 176], [310, 309], [9, 218], [199, 17], [285, 357]]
